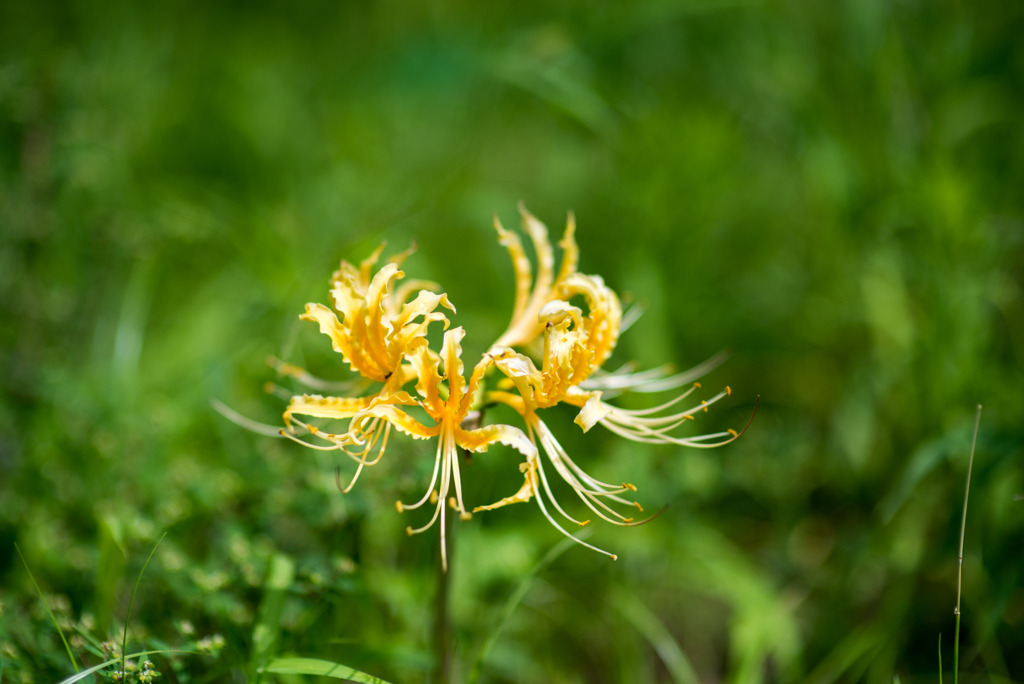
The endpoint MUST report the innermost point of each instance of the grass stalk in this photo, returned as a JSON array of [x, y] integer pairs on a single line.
[[960, 554], [131, 601], [512, 603], [46, 605]]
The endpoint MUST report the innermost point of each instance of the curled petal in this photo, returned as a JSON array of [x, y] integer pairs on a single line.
[[593, 412], [479, 439]]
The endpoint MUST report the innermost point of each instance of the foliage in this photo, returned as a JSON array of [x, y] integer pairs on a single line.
[[827, 190]]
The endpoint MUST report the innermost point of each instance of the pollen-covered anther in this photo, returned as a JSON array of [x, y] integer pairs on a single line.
[[583, 523], [696, 385], [630, 486], [638, 506], [705, 405], [732, 432], [399, 507], [465, 515], [728, 391], [452, 503], [409, 531], [433, 496]]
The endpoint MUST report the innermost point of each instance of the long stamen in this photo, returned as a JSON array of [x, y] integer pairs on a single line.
[[247, 423], [310, 380], [352, 482], [454, 458], [430, 490], [554, 501], [544, 510]]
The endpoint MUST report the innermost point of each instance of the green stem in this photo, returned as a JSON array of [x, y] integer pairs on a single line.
[[46, 605], [442, 605], [131, 601], [960, 555], [956, 650]]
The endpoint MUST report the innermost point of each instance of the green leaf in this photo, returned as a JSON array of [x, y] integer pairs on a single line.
[[79, 676], [323, 668], [280, 574], [653, 629], [46, 605]]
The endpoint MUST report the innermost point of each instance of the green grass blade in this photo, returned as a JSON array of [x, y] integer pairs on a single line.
[[648, 624], [131, 601], [956, 651], [85, 673], [858, 647], [67, 646], [114, 661], [513, 602], [322, 668], [960, 555], [280, 573]]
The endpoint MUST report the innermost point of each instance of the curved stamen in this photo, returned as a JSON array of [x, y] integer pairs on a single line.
[[430, 490]]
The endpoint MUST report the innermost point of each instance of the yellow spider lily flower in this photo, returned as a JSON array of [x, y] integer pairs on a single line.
[[383, 338], [574, 346], [552, 352], [376, 328]]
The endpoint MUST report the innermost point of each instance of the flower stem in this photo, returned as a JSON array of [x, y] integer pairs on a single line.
[[442, 606]]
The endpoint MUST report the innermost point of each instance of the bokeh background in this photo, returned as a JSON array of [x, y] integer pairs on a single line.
[[830, 191]]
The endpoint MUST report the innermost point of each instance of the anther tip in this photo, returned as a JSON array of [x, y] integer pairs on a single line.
[[697, 385], [399, 507], [614, 557], [408, 530], [733, 432], [465, 515], [728, 391]]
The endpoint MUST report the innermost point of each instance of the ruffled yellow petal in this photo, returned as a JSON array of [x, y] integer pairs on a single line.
[[481, 438], [402, 421], [532, 295], [451, 356], [524, 494], [520, 266], [593, 412]]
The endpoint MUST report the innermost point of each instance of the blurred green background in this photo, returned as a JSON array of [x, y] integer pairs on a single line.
[[828, 190]]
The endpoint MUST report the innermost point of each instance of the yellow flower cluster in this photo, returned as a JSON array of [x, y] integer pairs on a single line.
[[551, 353]]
